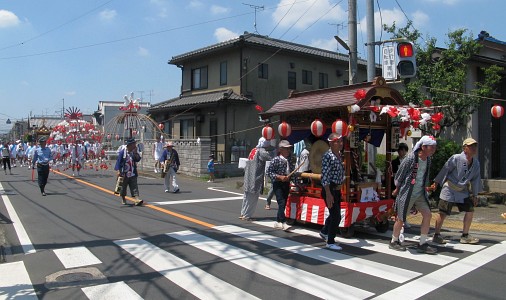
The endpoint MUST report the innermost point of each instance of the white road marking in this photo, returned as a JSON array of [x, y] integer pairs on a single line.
[[452, 244], [116, 290], [24, 240], [437, 259], [191, 278], [293, 277], [15, 282], [195, 201], [432, 281], [76, 257], [338, 259]]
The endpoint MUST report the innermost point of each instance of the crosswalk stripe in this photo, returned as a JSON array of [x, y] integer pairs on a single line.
[[115, 290], [430, 282], [456, 245], [339, 259], [437, 259], [191, 278], [15, 283], [76, 257], [299, 279]]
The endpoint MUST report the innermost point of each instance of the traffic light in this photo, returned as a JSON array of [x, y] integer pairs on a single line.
[[406, 60]]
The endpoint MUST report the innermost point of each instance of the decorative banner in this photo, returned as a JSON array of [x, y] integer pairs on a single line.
[[284, 129], [340, 127], [268, 132], [317, 128], [497, 111]]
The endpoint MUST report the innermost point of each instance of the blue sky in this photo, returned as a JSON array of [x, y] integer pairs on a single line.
[[100, 50]]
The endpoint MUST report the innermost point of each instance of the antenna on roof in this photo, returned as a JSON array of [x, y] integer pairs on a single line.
[[337, 31], [256, 7]]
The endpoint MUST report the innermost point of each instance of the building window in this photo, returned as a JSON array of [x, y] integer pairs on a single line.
[[199, 78], [307, 77], [223, 73], [263, 71], [292, 80], [186, 129], [323, 80]]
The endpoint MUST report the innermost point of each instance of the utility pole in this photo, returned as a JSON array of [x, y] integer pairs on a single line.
[[371, 68], [63, 108], [352, 40]]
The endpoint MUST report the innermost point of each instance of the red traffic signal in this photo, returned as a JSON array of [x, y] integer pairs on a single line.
[[405, 50]]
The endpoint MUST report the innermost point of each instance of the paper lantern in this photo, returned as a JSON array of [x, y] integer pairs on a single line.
[[317, 128], [268, 132], [497, 111], [340, 127], [284, 129], [161, 126]]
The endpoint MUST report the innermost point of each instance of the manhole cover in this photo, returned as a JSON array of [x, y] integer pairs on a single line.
[[75, 277]]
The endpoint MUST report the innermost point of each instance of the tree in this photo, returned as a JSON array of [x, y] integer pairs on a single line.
[[442, 76]]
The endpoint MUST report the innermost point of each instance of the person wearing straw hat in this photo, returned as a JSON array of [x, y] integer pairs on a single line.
[[279, 172], [170, 162], [126, 166], [411, 181], [460, 172]]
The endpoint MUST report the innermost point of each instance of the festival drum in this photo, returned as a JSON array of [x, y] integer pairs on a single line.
[[315, 155]]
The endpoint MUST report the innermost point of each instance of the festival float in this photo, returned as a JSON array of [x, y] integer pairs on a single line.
[[368, 115], [130, 123], [72, 131]]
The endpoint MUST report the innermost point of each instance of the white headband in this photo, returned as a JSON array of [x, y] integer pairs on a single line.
[[426, 140]]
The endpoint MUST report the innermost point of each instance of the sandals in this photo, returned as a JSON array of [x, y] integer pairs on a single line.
[[268, 207]]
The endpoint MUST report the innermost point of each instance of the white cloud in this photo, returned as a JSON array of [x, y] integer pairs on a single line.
[[8, 19], [195, 4], [327, 44], [388, 17], [420, 19], [320, 10], [143, 51], [107, 14], [222, 34], [70, 93], [216, 9]]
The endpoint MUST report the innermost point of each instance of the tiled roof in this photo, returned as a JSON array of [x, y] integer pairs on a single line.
[[259, 40], [204, 98], [323, 99]]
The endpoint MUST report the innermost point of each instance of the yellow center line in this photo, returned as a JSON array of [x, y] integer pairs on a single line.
[[163, 210]]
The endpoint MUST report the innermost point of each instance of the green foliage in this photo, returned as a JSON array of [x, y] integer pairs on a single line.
[[381, 162], [442, 75]]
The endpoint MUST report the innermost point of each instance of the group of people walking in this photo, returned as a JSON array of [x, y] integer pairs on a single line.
[[459, 179]]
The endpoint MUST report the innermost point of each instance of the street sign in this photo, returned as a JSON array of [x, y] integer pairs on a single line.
[[389, 68]]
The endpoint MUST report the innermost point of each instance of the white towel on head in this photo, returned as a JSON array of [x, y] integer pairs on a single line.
[[263, 143], [426, 140]]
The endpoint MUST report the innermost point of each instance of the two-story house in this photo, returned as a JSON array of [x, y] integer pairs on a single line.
[[223, 87]]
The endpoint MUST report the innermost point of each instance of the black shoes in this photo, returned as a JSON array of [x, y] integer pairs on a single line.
[[425, 248], [397, 246]]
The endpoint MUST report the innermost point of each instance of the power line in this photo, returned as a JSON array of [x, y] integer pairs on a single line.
[[57, 27]]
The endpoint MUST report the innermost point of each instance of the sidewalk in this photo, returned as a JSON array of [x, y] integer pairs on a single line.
[[486, 219]]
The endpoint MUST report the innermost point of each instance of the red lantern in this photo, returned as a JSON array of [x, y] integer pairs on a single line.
[[268, 132], [161, 126], [317, 128], [108, 136], [360, 94], [497, 111], [284, 129], [340, 127]]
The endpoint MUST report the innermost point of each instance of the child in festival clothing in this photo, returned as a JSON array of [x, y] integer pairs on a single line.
[[210, 168]]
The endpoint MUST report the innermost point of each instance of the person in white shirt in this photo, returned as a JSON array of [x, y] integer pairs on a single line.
[[158, 148], [76, 157]]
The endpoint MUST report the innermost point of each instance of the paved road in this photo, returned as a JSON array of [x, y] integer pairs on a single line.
[[80, 243]]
